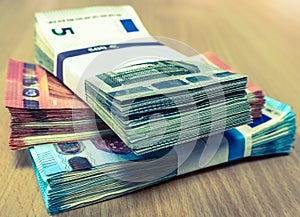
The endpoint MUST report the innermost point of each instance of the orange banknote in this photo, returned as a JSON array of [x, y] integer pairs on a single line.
[[31, 87], [45, 111]]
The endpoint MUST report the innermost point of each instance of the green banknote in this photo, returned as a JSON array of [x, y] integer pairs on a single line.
[[159, 104]]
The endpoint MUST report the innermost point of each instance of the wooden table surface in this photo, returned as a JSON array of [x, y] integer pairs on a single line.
[[259, 38]]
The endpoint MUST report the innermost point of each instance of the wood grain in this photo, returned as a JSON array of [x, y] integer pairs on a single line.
[[259, 38]]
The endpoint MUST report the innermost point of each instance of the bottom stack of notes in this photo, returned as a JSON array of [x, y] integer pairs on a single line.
[[76, 174]]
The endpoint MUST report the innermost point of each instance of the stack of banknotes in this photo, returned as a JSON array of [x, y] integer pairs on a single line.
[[128, 98], [123, 39], [254, 94], [142, 112], [44, 111], [82, 173], [119, 87]]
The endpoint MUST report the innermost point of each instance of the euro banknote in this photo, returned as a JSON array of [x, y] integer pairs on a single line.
[[44, 111], [255, 94], [36, 120], [68, 42], [207, 100], [72, 175]]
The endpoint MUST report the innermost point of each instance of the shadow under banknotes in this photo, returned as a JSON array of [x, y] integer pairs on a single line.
[[22, 159]]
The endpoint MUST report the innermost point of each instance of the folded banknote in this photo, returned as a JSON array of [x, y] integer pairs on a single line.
[[44, 111], [52, 115], [154, 105], [254, 93], [131, 79], [72, 175], [72, 55]]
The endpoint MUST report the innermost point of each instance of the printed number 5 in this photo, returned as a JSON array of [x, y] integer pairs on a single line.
[[64, 31]]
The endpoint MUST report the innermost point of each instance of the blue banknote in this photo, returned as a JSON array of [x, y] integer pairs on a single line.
[[72, 175]]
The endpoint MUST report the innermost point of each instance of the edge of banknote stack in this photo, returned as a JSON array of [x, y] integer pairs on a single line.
[[44, 111], [208, 101], [91, 170]]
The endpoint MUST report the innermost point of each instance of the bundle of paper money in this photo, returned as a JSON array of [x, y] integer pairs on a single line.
[[57, 115], [44, 111], [129, 98], [161, 114], [68, 52], [254, 94], [78, 174]]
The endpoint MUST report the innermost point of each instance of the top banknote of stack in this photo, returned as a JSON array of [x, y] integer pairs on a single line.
[[141, 88]]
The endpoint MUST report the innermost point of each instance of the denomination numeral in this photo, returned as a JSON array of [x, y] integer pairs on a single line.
[[63, 31]]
